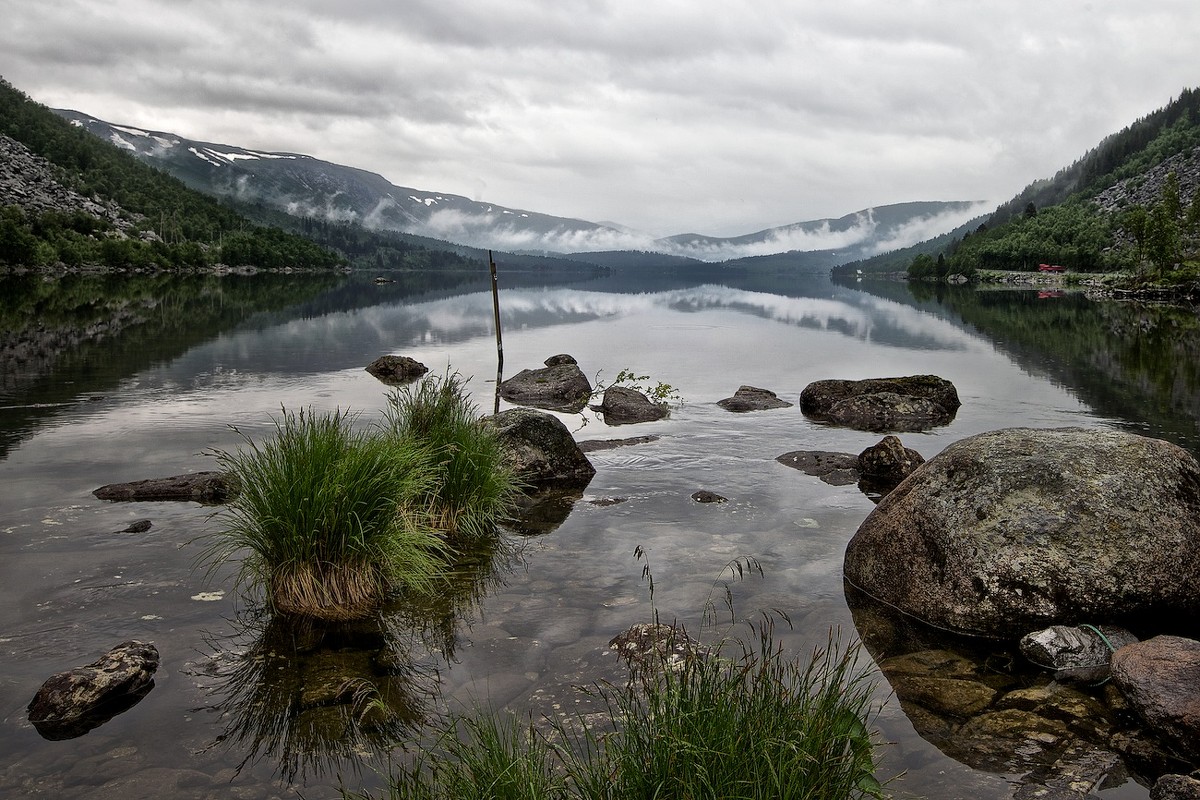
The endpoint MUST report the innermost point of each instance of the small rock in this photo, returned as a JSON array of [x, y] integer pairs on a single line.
[[751, 398], [1076, 654], [138, 526], [705, 496], [1176, 787], [889, 461], [594, 445], [210, 488], [396, 369], [624, 406], [71, 703]]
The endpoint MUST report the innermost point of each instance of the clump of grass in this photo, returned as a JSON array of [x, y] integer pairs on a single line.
[[756, 726], [473, 488], [328, 517]]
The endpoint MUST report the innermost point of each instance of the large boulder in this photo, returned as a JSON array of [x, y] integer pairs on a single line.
[[1160, 678], [559, 386], [912, 403], [624, 406], [541, 450], [1014, 530], [71, 703]]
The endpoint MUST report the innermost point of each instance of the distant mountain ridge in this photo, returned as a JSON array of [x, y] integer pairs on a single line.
[[306, 186]]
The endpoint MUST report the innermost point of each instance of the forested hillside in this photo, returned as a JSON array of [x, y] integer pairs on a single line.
[[1131, 204], [68, 198]]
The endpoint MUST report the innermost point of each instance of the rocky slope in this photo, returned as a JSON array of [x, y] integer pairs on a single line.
[[32, 183]]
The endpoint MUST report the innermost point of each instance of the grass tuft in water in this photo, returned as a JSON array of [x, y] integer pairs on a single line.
[[325, 517], [756, 726], [474, 488]]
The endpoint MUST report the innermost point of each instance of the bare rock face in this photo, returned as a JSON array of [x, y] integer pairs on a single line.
[[396, 369], [541, 450], [912, 403], [1015, 530], [71, 703], [625, 406], [1160, 678], [751, 398], [559, 386]]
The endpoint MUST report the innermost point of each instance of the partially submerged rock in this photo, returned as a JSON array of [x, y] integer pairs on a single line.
[[877, 470], [705, 496], [912, 403], [596, 445], [888, 462], [559, 386], [1160, 678], [541, 450], [210, 488], [752, 398], [396, 369], [624, 406], [1075, 654], [1013, 530], [74, 702], [836, 469], [652, 648]]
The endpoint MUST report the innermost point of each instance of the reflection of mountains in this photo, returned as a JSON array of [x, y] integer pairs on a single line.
[[1130, 361], [333, 341]]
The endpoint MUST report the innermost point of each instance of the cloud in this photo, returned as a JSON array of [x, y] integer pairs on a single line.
[[720, 117]]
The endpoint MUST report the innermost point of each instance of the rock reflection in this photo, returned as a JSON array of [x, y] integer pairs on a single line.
[[321, 698], [981, 704]]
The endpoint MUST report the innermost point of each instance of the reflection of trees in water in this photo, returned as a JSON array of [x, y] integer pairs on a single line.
[[317, 697]]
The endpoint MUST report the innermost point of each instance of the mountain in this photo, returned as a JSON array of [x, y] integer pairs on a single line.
[[309, 187], [835, 241], [67, 199]]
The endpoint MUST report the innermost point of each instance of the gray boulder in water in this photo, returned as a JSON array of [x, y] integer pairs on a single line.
[[910, 403], [559, 386], [541, 450], [1014, 530], [71, 703]]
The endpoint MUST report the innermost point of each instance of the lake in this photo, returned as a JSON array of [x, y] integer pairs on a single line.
[[118, 378]]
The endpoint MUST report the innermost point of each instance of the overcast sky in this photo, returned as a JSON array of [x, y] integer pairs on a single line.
[[668, 116]]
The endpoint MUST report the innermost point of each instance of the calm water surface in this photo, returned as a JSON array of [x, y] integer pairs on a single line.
[[157, 396]]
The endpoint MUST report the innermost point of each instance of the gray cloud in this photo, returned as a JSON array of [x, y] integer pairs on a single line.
[[705, 116]]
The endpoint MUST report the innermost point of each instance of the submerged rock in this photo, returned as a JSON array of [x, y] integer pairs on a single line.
[[596, 445], [1014, 530], [705, 496], [751, 398], [210, 488], [651, 648], [912, 403], [72, 703], [559, 386]]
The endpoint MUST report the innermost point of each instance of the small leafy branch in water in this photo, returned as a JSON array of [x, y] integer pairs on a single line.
[[659, 392]]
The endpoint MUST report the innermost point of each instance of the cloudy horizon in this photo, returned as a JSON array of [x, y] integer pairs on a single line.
[[665, 118]]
